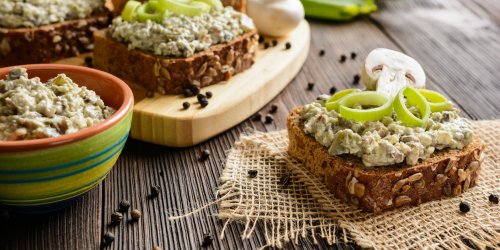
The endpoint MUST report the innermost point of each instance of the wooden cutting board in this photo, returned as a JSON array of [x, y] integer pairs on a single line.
[[162, 119]]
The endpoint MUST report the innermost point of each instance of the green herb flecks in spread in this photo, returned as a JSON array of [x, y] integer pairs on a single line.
[[33, 13], [388, 141], [30, 109], [180, 35]]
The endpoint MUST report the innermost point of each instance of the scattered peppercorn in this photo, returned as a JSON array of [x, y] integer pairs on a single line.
[[266, 45], [464, 207], [285, 180], [274, 108], [204, 155], [493, 198], [353, 55], [275, 42], [261, 39], [288, 45], [155, 190], [252, 173], [269, 119], [342, 58], [209, 94], [356, 79], [195, 89], [204, 102], [207, 240], [124, 205], [150, 94], [186, 105], [201, 97], [310, 86], [188, 92], [333, 90], [108, 238], [136, 214], [257, 116], [89, 61], [116, 217], [322, 52]]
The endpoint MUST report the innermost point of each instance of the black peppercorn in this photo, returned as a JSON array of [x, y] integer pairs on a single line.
[[188, 92], [493, 198], [89, 61], [124, 205], [269, 119], [195, 89], [204, 102], [186, 105], [155, 190], [288, 45], [261, 39], [274, 108], [356, 79], [464, 207], [342, 58], [135, 214], [209, 94], [116, 217], [353, 55], [310, 86], [257, 116], [204, 155], [252, 173], [322, 52], [266, 45], [201, 97], [275, 42], [333, 90], [207, 240], [108, 238]]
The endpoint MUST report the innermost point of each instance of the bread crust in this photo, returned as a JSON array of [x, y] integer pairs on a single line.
[[168, 75], [446, 173], [50, 42]]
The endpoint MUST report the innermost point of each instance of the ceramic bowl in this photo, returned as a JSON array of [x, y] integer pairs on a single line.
[[45, 172]]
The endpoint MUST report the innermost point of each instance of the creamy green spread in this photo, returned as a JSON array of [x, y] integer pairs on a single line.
[[34, 13], [182, 36], [388, 141], [30, 109]]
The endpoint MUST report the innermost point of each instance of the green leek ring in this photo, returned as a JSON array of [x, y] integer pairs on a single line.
[[365, 98], [414, 97]]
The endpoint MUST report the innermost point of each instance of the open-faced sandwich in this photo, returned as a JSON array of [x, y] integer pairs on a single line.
[[392, 145], [34, 31], [177, 46]]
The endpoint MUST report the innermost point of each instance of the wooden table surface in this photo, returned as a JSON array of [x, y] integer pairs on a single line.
[[456, 41]]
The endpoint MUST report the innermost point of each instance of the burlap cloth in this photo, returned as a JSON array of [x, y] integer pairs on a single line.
[[293, 203]]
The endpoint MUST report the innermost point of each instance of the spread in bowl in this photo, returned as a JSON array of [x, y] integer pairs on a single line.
[[30, 109]]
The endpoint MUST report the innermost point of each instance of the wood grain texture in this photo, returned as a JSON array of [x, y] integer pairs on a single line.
[[186, 182]]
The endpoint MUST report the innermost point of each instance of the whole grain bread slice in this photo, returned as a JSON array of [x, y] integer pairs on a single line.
[[169, 75], [50, 42], [377, 189]]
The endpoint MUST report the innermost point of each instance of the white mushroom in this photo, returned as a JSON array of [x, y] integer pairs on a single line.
[[389, 71], [275, 17]]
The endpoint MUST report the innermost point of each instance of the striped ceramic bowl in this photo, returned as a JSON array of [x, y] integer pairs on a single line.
[[45, 173]]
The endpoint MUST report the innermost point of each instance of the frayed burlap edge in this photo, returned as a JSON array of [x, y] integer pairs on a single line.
[[293, 203]]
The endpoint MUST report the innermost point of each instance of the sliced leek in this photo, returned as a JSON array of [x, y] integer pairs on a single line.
[[333, 102], [415, 98], [129, 11], [437, 102], [382, 102]]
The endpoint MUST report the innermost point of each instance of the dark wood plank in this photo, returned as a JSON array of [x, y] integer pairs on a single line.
[[458, 48], [75, 227]]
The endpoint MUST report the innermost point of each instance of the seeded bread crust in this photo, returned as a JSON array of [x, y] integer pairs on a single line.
[[446, 173], [167, 75], [50, 42]]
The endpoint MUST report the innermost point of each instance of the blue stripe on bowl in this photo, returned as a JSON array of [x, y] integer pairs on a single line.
[[56, 196], [67, 165], [67, 174]]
